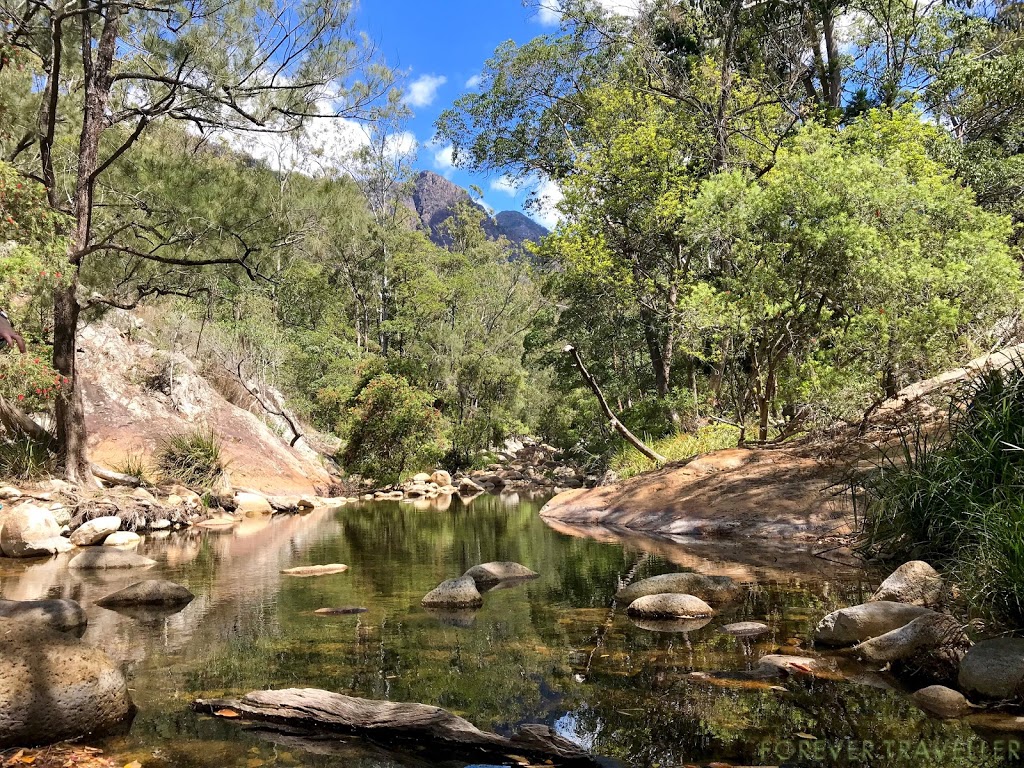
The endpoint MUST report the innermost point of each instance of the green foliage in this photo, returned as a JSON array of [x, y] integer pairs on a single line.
[[953, 498], [394, 429], [29, 382], [23, 459], [192, 458], [628, 462]]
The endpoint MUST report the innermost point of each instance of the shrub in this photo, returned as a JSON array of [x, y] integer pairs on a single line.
[[953, 497], [24, 459], [393, 427], [192, 458]]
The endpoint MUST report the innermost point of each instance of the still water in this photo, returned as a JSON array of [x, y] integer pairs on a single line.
[[555, 650]]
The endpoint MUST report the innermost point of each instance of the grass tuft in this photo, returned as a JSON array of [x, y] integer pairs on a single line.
[[135, 464], [193, 458], [628, 461], [22, 459]]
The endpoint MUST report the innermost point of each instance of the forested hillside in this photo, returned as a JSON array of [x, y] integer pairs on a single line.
[[775, 216]]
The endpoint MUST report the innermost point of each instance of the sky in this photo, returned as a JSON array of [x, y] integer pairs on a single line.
[[440, 47]]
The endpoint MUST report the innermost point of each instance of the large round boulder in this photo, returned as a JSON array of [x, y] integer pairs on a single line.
[[669, 606], [942, 701], [29, 530], [491, 573], [247, 503], [711, 589], [109, 557], [930, 646], [916, 583], [95, 531], [127, 540], [441, 478], [150, 592], [994, 669], [60, 615], [862, 622], [454, 593], [53, 687]]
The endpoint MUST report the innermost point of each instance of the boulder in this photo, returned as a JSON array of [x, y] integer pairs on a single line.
[[122, 540], [441, 478], [252, 504], [669, 606], [942, 701], [109, 557], [96, 530], [160, 525], [467, 487], [848, 626], [931, 645], [59, 615], [780, 665], [491, 573], [915, 583], [745, 629], [421, 478], [454, 593], [29, 530], [712, 589], [53, 687], [144, 497], [149, 592], [994, 669]]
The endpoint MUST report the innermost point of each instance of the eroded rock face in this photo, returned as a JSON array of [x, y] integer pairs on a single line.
[[490, 573], [669, 606], [915, 583], [53, 687], [454, 593], [109, 557], [862, 622], [59, 615], [149, 592], [712, 589], [29, 530], [942, 701], [994, 669], [95, 531]]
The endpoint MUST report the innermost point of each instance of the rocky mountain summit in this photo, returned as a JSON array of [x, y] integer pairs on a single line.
[[434, 199]]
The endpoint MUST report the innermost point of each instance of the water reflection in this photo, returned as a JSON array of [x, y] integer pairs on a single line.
[[553, 650]]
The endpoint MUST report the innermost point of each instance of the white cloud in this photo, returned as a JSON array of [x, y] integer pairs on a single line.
[[402, 143], [549, 12], [545, 205], [423, 90], [444, 160], [621, 7], [507, 185], [474, 82]]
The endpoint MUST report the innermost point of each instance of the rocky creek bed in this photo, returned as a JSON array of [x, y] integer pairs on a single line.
[[734, 679]]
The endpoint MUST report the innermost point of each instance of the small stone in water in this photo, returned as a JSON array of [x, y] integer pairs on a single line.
[[315, 570], [339, 611], [745, 629]]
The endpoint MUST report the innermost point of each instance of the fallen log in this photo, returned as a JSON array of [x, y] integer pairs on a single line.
[[387, 722], [117, 478]]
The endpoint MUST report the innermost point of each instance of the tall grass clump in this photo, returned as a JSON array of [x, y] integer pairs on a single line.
[[956, 497], [24, 459], [628, 461], [192, 458]]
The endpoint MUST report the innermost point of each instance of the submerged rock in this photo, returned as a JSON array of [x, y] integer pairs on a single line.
[[109, 557], [669, 606], [994, 669], [95, 531], [779, 665], [862, 622], [712, 589], [745, 629], [931, 645], [491, 573], [29, 530], [454, 593], [344, 611], [942, 701], [671, 625], [59, 615], [315, 570], [914, 583], [53, 687], [149, 592]]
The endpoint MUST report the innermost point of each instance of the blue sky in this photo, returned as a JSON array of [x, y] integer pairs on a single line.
[[440, 46]]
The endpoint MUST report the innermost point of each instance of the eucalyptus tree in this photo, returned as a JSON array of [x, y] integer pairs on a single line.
[[108, 72]]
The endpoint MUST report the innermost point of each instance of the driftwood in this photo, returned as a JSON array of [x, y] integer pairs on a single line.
[[613, 420], [18, 422], [116, 478], [388, 723]]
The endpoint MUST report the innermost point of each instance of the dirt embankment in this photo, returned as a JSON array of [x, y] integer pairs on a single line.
[[136, 395]]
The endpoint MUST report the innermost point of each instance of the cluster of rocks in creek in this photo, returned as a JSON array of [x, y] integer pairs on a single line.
[[520, 466], [466, 591]]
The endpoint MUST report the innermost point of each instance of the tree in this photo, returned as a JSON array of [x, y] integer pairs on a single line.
[[217, 67]]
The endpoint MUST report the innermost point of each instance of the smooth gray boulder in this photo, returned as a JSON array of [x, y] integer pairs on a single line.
[[149, 592], [60, 615], [669, 606], [454, 593], [931, 646], [109, 557], [53, 687], [994, 669], [942, 701], [492, 573], [95, 531], [862, 622], [29, 530], [745, 629], [714, 590], [914, 583]]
